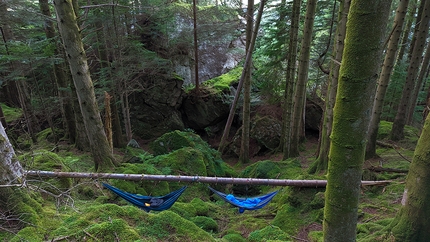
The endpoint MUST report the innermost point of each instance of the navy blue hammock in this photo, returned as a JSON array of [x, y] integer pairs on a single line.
[[148, 203], [243, 204]]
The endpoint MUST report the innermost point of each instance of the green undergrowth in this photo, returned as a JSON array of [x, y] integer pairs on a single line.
[[11, 114], [82, 210]]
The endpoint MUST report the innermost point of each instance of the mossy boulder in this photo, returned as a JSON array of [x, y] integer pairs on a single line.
[[184, 161], [269, 233], [141, 187], [169, 226], [195, 146], [267, 131], [47, 161], [233, 237], [205, 223]]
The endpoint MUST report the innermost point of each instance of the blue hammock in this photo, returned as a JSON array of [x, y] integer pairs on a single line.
[[243, 204], [148, 203]]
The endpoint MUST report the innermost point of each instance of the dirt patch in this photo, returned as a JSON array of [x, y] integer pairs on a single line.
[[303, 234]]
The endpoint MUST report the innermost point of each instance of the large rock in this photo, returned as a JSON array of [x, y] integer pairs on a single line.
[[204, 110], [154, 110], [265, 135]]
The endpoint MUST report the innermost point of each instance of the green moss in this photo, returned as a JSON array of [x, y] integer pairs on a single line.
[[11, 114], [223, 82], [289, 219], [177, 140], [233, 237], [268, 233], [205, 223], [47, 161], [168, 226], [113, 230], [316, 236], [186, 161], [29, 234]]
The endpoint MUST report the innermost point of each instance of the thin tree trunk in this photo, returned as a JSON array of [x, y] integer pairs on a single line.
[[241, 80], [365, 31], [302, 78], [384, 79], [414, 64], [70, 33], [196, 47], [289, 80], [419, 85], [322, 159], [405, 39], [246, 119]]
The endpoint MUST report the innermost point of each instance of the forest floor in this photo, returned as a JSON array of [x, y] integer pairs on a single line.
[[377, 205]]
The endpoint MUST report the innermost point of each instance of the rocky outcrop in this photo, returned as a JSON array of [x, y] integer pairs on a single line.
[[204, 109], [154, 110]]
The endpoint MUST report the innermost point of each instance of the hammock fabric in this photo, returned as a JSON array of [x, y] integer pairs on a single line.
[[148, 203], [242, 203]]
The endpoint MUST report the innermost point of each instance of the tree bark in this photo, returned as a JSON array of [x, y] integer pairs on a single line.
[[61, 76], [419, 85], [246, 119], [414, 64], [412, 222], [70, 33], [322, 159], [366, 26], [302, 78], [200, 179], [384, 79], [289, 80], [248, 61]]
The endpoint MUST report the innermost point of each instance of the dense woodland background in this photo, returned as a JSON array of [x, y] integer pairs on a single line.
[[105, 78]]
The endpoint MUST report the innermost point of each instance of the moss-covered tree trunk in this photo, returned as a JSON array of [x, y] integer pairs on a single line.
[[384, 79], [287, 107], [70, 33], [14, 200], [366, 26], [412, 73], [322, 159], [412, 222]]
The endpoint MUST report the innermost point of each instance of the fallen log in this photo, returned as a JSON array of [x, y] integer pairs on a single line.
[[382, 169], [202, 179]]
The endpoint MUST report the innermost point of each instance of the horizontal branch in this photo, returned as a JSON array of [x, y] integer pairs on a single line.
[[202, 179]]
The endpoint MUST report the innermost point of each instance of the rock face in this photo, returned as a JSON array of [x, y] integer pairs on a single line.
[[155, 109], [204, 110]]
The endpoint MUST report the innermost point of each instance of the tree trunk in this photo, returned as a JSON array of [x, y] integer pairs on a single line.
[[322, 159], [419, 86], [414, 64], [405, 39], [246, 119], [366, 26], [248, 61], [61, 77], [412, 222], [196, 48], [289, 80], [384, 79], [302, 78], [70, 33]]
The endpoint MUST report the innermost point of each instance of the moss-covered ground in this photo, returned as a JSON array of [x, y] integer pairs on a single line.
[[82, 210]]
